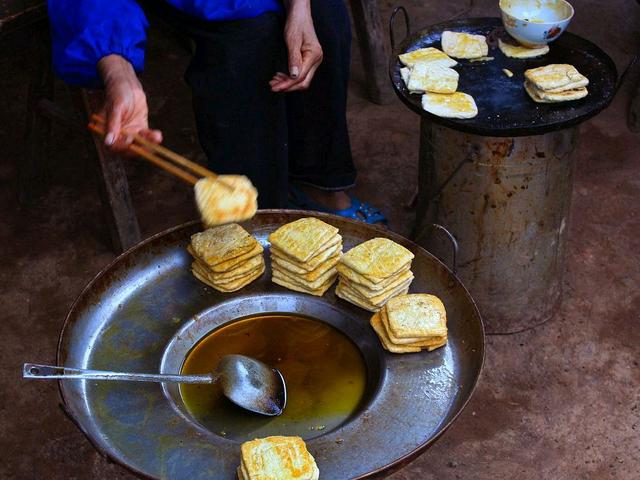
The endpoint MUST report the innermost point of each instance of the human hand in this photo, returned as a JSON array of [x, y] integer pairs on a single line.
[[305, 52], [125, 105]]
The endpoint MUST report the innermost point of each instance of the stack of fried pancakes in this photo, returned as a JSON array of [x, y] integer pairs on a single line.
[[226, 258], [411, 323], [373, 272], [304, 255]]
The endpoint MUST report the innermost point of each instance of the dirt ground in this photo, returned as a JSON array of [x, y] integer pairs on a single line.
[[561, 401]]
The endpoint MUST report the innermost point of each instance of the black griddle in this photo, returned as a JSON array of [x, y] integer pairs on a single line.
[[504, 108]]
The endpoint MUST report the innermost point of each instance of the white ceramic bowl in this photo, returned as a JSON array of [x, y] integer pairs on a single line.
[[535, 23]]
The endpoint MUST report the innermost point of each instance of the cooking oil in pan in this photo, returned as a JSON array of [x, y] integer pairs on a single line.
[[324, 372]]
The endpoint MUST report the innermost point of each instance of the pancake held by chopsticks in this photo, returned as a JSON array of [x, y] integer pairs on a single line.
[[464, 45], [226, 257], [454, 105], [225, 198], [518, 51], [276, 458], [304, 255]]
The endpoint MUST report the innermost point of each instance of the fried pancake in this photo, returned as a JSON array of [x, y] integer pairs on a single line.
[[453, 105], [234, 262], [239, 271], [231, 286], [377, 259], [303, 238], [355, 277], [556, 76], [277, 458], [367, 292], [277, 278], [426, 77], [218, 244], [283, 274], [424, 55], [435, 340], [376, 323], [416, 315], [464, 45], [327, 251], [518, 51], [405, 72], [223, 282], [542, 96], [346, 293], [378, 300], [226, 198], [311, 276]]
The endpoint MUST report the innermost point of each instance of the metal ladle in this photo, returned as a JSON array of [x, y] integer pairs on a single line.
[[247, 382]]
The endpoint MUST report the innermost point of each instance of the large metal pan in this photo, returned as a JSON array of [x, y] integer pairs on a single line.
[[126, 318], [504, 108]]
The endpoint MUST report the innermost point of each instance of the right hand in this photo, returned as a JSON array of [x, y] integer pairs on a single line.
[[125, 105]]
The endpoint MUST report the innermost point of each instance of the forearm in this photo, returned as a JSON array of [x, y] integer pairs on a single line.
[[114, 69], [298, 6]]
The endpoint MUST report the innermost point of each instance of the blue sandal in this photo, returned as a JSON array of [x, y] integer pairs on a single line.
[[359, 210]]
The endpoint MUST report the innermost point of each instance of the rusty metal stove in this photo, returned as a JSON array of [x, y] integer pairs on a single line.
[[501, 182]]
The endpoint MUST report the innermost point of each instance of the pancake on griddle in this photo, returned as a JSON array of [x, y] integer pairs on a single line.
[[464, 45], [453, 105], [427, 55], [519, 51], [425, 77], [555, 83]]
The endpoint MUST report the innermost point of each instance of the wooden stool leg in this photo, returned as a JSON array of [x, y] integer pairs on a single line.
[[32, 168], [366, 17], [114, 187]]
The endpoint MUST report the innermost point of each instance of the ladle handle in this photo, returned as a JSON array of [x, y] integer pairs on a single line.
[[46, 372]]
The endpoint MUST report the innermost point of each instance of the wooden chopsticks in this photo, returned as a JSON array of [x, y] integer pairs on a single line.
[[158, 155]]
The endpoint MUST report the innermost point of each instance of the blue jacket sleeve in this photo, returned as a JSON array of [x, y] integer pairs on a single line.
[[84, 31]]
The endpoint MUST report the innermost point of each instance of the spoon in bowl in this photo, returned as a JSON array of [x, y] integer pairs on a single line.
[[245, 381]]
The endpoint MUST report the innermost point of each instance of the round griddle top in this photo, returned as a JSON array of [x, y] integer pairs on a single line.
[[504, 108], [146, 307]]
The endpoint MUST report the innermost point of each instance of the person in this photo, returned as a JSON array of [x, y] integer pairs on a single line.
[[268, 81]]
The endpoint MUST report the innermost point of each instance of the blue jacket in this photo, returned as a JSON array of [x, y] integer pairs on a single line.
[[84, 31]]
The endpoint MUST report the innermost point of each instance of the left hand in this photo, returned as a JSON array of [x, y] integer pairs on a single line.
[[305, 52]]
